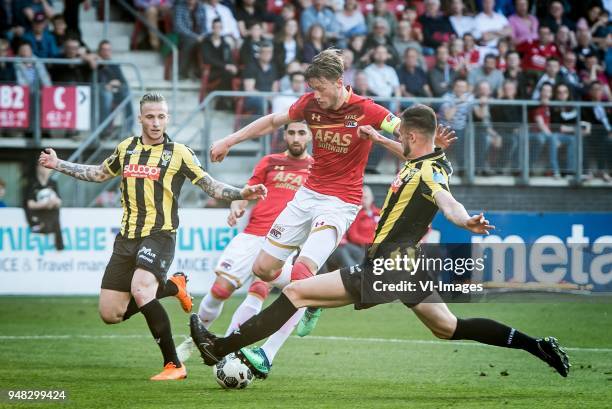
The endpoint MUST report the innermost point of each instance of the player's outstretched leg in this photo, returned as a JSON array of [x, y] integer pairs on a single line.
[[175, 286], [438, 318], [251, 305]]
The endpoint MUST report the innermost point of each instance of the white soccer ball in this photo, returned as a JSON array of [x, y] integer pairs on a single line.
[[231, 373]]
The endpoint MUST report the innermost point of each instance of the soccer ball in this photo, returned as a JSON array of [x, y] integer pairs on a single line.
[[231, 373]]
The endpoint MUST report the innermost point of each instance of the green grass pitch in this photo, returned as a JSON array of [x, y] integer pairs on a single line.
[[378, 361]]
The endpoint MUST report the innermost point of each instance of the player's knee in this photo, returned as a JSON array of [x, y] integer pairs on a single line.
[[262, 272], [221, 292], [301, 271], [143, 293], [294, 293], [110, 317], [259, 289]]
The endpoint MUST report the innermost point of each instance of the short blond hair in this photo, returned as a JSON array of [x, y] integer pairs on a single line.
[[151, 97], [327, 64]]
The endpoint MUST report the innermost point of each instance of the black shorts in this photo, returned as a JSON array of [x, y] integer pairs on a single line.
[[153, 253], [366, 288]]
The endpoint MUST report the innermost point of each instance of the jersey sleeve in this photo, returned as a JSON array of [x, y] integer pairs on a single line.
[[259, 173], [113, 162], [191, 166], [296, 110], [381, 118], [433, 179]]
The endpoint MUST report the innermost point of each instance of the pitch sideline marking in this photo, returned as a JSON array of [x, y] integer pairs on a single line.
[[313, 337]]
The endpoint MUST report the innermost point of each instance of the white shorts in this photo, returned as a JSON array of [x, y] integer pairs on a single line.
[[308, 212], [236, 262]]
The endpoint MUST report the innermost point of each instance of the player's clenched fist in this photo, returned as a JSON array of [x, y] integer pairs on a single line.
[[254, 192], [48, 158], [219, 150], [368, 132]]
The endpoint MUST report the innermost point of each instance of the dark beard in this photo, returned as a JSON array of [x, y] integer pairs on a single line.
[[407, 151], [296, 151]]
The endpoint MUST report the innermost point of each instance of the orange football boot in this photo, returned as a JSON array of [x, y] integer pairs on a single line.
[[186, 300], [171, 373]]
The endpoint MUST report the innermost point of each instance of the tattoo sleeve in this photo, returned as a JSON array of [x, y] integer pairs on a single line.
[[219, 190], [89, 173]]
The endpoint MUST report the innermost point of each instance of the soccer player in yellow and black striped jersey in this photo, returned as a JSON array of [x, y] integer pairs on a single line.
[[418, 191], [152, 169]]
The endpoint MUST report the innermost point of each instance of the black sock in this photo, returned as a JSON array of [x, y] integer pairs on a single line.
[[159, 324], [491, 332], [258, 327], [168, 290]]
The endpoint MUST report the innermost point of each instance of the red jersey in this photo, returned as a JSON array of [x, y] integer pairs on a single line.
[[535, 55], [282, 175], [340, 154], [363, 228]]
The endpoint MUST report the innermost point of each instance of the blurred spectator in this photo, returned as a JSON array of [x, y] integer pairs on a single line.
[[570, 76], [411, 16], [515, 73], [360, 86], [285, 81], [412, 78], [472, 51], [23, 11], [382, 78], [7, 69], [598, 145], [507, 121], [488, 141], [190, 24], [503, 46], [608, 55], [405, 39], [457, 58], [380, 36], [557, 18], [216, 10], [321, 15], [380, 11], [287, 13], [31, 74], [551, 76], [42, 41], [288, 46], [437, 29], [282, 102], [74, 73], [153, 10], [249, 12], [585, 47], [356, 45], [537, 52], [597, 23], [489, 73], [455, 111], [351, 20], [441, 75], [524, 25], [249, 51], [491, 26], [2, 192], [59, 30], [114, 87], [565, 122], [459, 21], [71, 16], [42, 204], [315, 42], [218, 54], [349, 70], [594, 71], [565, 40], [260, 76]]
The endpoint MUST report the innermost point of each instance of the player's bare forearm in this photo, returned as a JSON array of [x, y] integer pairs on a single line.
[[219, 190], [394, 147], [452, 209], [262, 126], [88, 173]]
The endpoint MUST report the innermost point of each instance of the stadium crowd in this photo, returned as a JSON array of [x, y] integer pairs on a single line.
[[464, 51]]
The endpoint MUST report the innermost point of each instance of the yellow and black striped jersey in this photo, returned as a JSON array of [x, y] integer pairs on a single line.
[[152, 177], [410, 207]]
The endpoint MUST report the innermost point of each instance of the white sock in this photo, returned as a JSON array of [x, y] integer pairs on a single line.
[[210, 309], [249, 307], [276, 340], [284, 278]]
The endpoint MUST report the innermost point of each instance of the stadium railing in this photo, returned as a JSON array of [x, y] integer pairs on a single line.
[[520, 155]]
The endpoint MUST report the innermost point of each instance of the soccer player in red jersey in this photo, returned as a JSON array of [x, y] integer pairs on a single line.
[[282, 174], [323, 209]]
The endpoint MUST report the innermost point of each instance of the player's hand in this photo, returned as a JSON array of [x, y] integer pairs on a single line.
[[445, 136], [368, 132], [234, 215], [478, 224], [219, 150], [48, 158], [254, 192]]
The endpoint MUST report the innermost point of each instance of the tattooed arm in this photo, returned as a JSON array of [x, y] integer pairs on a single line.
[[222, 191], [90, 173]]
